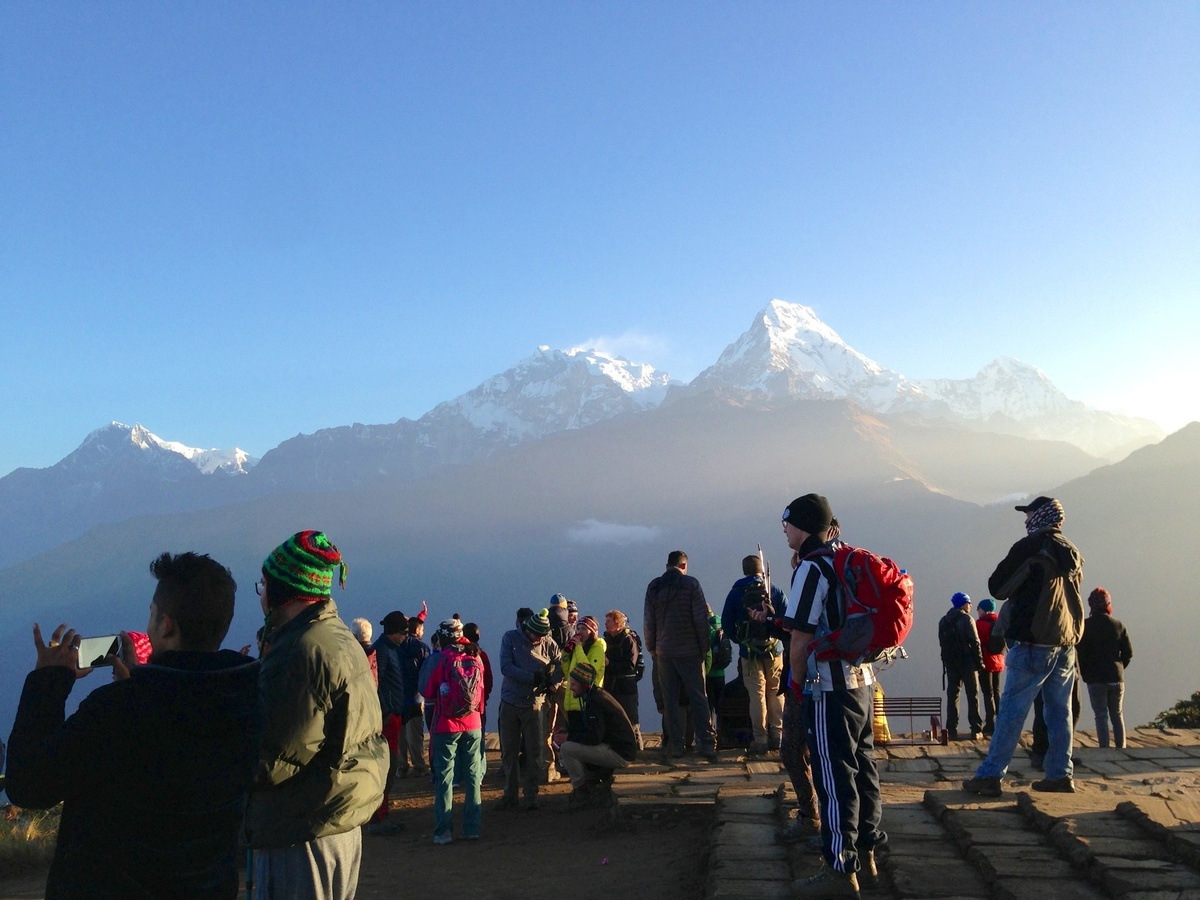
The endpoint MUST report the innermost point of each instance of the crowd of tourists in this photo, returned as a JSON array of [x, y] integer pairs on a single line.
[[290, 748]]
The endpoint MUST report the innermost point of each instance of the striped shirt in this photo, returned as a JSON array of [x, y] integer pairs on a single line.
[[814, 609]]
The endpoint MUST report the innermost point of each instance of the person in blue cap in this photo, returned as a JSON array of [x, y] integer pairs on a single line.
[[962, 661]]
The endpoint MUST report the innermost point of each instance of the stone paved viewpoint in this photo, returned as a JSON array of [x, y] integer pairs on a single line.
[[1131, 830]]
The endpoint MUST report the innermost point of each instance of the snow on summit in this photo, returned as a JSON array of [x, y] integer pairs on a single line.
[[789, 351], [555, 390], [116, 438]]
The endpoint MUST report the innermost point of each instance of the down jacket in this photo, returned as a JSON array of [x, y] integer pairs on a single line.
[[323, 759], [676, 616]]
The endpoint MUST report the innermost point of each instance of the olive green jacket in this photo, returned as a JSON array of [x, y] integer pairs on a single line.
[[323, 760]]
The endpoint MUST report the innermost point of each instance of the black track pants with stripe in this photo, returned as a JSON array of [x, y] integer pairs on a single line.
[[842, 746]]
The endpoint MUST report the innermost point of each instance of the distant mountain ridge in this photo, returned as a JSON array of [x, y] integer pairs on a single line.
[[787, 354], [115, 441], [549, 392]]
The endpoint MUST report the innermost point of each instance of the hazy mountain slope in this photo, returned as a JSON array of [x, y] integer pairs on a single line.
[[549, 392], [593, 513], [118, 471]]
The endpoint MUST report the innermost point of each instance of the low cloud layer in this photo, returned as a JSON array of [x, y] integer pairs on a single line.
[[593, 531]]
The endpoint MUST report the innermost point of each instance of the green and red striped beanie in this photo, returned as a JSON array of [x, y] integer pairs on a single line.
[[304, 564], [584, 673]]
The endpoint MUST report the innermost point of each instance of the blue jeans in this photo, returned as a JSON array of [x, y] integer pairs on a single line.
[[1030, 668], [1108, 701], [449, 748]]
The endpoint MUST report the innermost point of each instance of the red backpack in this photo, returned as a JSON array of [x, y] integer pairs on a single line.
[[878, 605]]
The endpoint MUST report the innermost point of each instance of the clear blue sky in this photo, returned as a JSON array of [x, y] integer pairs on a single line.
[[234, 222]]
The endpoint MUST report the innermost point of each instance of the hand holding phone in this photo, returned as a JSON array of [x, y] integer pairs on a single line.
[[95, 651], [61, 650]]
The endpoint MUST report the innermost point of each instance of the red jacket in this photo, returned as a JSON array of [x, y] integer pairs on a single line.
[[992, 662]]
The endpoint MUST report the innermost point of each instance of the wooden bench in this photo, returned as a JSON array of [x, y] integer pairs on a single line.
[[915, 709]]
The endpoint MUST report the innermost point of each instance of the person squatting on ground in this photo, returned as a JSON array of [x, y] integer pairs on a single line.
[[390, 682], [152, 770], [761, 652], [840, 734], [1104, 652], [621, 666], [676, 622], [1041, 657], [962, 661], [323, 759], [993, 664], [531, 666], [455, 691], [601, 739]]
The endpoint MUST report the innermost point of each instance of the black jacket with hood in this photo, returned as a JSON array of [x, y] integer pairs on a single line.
[[152, 771]]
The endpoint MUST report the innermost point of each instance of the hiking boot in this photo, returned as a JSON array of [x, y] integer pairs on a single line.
[[984, 786], [1062, 785], [581, 798], [826, 883], [799, 829], [505, 803], [868, 872]]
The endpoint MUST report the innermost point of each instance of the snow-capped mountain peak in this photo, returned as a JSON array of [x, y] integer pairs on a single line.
[[789, 351], [117, 440], [554, 390]]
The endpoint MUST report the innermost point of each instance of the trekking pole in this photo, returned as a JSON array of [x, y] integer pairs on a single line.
[[766, 567]]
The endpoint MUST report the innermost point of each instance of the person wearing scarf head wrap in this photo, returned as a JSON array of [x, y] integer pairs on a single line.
[[1034, 666]]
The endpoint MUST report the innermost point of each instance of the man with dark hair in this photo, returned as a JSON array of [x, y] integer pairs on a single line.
[[840, 735], [1041, 654], [390, 683], [760, 651], [323, 759], [676, 622], [153, 769], [412, 652]]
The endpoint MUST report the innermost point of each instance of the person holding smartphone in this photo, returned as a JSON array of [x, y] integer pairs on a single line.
[[153, 769]]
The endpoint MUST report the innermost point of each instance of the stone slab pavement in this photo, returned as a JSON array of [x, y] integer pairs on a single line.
[[1132, 830]]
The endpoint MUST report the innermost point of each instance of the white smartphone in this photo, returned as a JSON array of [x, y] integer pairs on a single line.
[[93, 650]]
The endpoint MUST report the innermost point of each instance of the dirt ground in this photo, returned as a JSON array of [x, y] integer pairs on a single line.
[[549, 853]]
